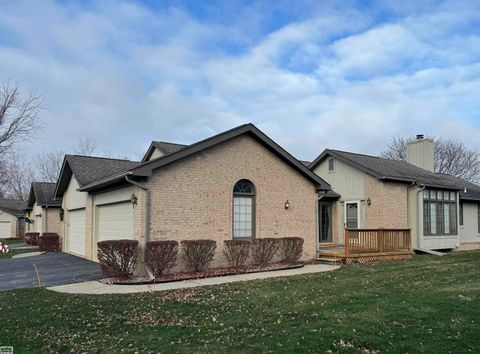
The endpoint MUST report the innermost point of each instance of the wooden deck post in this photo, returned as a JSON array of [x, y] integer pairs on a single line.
[[347, 241]]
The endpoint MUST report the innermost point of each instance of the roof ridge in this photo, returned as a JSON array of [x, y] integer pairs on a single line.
[[101, 158], [168, 142]]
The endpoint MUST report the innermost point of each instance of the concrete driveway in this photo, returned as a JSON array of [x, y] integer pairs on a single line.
[[54, 268]]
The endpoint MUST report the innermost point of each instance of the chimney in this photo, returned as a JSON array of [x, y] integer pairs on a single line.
[[420, 152]]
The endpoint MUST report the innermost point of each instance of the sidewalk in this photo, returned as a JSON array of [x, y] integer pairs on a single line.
[[95, 287]]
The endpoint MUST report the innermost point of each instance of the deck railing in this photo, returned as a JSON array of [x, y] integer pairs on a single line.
[[376, 240]]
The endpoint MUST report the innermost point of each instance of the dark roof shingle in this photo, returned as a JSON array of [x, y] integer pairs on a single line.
[[12, 206], [393, 170], [43, 195], [88, 169], [166, 147]]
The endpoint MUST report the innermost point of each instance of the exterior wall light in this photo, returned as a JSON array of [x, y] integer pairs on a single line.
[[133, 199], [369, 201], [287, 204], [61, 213]]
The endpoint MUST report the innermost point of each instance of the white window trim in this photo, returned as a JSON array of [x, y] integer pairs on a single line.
[[358, 202]]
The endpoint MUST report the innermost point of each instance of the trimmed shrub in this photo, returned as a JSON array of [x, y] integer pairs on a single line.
[[31, 238], [264, 249], [198, 254], [291, 249], [161, 256], [117, 258], [49, 242], [236, 252]]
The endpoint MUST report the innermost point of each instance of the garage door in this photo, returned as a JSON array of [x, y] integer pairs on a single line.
[[76, 232], [4, 229], [115, 221]]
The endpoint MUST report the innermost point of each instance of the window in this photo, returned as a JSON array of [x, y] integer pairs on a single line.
[[243, 210], [440, 213], [461, 214], [331, 165]]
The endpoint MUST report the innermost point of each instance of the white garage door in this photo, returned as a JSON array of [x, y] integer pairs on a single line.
[[115, 221], [4, 229], [76, 232]]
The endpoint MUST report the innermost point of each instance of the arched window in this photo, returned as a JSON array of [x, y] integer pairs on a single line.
[[243, 209]]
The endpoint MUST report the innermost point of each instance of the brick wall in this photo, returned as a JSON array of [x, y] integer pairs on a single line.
[[389, 207], [192, 198], [53, 220]]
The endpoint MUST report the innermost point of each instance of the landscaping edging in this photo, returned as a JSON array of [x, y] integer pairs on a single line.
[[213, 273]]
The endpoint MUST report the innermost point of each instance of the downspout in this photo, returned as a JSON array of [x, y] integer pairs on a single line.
[[147, 214], [419, 207]]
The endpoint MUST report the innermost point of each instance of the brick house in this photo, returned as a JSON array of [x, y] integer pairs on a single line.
[[439, 211], [238, 184], [43, 211], [12, 223]]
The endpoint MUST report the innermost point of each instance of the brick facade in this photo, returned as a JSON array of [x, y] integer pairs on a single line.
[[192, 198], [53, 220]]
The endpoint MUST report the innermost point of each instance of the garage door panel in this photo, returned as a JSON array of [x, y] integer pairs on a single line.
[[76, 232], [115, 221], [5, 229]]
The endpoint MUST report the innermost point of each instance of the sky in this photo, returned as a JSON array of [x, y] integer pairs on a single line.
[[310, 74]]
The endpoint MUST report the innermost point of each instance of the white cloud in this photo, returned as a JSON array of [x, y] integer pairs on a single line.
[[126, 74]]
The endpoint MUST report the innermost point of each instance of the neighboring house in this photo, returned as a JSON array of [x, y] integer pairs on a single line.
[[238, 184], [110, 212], [12, 223], [378, 193], [160, 148], [43, 211]]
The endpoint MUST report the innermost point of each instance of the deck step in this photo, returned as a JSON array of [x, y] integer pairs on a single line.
[[426, 250]]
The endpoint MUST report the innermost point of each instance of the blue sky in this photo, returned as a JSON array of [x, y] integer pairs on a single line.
[[310, 74]]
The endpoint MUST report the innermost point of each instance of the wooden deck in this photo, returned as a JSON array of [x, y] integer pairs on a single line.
[[370, 245]]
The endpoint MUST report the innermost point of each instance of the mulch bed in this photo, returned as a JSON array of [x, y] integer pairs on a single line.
[[214, 272]]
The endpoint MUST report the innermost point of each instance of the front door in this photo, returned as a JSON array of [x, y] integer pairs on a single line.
[[325, 221], [351, 215]]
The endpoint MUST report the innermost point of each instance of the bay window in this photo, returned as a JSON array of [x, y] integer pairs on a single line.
[[439, 212]]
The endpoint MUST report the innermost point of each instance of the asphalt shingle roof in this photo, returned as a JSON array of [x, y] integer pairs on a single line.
[[166, 147], [88, 169], [395, 170], [12, 206], [43, 192]]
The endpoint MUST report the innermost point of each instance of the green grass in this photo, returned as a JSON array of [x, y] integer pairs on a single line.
[[14, 252], [430, 304]]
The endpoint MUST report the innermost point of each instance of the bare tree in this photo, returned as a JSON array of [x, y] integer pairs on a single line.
[[85, 146], [451, 157], [48, 166], [19, 176], [18, 116]]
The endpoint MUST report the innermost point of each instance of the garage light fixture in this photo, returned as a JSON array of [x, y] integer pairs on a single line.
[[133, 199], [287, 204]]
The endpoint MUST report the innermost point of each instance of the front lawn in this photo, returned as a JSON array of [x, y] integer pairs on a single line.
[[430, 304]]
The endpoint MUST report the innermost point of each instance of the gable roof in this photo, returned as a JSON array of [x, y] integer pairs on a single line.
[[164, 147], [389, 170], [88, 169], [12, 206], [145, 169], [42, 193]]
